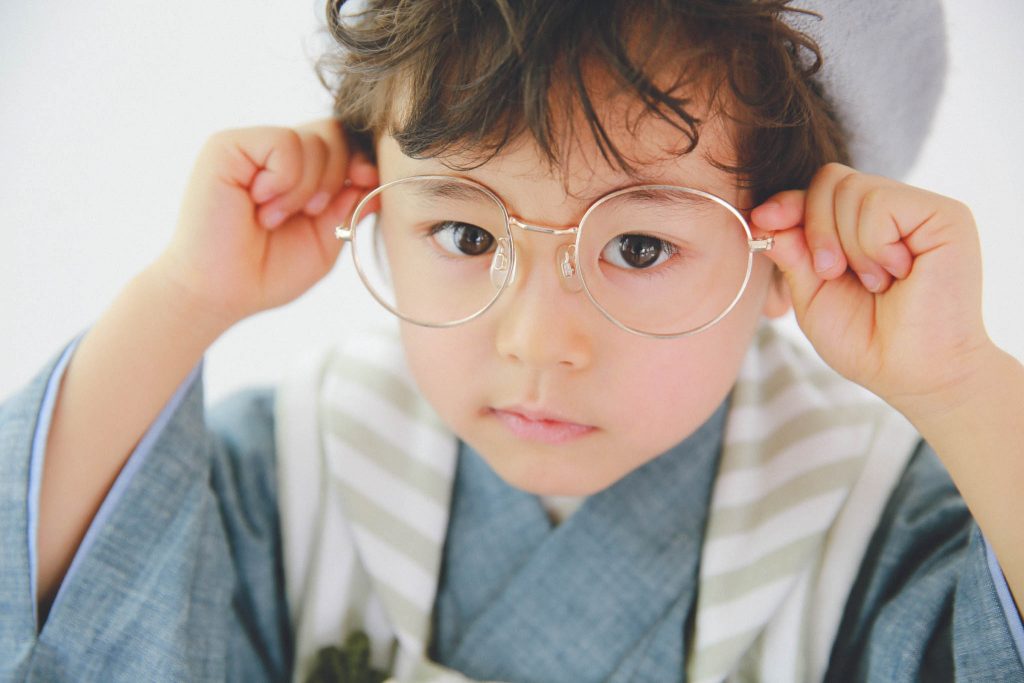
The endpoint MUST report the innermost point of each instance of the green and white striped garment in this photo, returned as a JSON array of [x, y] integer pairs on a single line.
[[366, 471]]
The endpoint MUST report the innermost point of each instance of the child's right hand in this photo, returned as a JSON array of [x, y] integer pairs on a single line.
[[256, 227]]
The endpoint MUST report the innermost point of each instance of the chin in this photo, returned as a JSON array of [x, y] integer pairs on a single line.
[[548, 474]]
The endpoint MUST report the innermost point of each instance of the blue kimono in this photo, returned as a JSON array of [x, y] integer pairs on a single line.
[[180, 575]]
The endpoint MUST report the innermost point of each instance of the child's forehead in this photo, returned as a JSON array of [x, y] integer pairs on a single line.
[[581, 175]]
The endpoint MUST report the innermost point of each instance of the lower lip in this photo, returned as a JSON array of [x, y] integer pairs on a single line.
[[544, 431]]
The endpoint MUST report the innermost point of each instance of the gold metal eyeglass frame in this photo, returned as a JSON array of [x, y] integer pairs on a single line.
[[568, 267]]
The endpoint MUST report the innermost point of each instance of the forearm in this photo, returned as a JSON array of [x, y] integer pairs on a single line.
[[124, 371], [980, 440]]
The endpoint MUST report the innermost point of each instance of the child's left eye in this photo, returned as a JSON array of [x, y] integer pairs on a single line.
[[635, 251], [462, 238]]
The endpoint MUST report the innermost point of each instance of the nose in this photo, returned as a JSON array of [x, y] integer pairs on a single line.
[[543, 323]]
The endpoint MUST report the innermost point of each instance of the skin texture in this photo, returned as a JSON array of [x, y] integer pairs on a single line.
[[544, 347]]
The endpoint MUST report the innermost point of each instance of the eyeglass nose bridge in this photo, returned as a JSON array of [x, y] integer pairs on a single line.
[[565, 256]]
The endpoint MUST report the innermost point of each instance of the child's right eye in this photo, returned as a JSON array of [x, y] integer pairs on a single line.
[[635, 251], [462, 238]]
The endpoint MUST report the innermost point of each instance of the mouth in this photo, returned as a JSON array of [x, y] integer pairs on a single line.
[[540, 426]]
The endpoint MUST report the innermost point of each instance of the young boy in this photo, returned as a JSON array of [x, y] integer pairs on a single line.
[[587, 458]]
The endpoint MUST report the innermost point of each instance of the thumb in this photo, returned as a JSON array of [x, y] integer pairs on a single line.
[[782, 217], [792, 256]]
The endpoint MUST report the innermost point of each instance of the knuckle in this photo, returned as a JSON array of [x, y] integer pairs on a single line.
[[220, 137], [853, 184], [873, 248], [873, 202], [830, 173], [961, 210], [312, 140], [221, 140], [289, 140]]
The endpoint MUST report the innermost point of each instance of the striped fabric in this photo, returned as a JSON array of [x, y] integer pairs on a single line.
[[392, 463], [807, 464], [797, 441]]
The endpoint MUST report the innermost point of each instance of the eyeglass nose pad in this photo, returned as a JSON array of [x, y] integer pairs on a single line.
[[501, 263], [568, 267]]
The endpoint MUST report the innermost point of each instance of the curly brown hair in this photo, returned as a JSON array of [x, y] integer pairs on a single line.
[[466, 78]]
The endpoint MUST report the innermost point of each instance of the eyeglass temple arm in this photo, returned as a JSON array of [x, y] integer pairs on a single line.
[[760, 245], [343, 232]]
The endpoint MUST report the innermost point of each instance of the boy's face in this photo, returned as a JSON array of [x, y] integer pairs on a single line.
[[557, 399]]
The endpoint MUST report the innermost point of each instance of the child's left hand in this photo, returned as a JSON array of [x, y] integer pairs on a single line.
[[886, 283]]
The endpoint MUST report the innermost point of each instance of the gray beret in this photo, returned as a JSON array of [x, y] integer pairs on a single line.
[[883, 71]]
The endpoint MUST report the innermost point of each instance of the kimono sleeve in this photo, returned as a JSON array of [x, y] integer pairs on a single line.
[[926, 605], [179, 576]]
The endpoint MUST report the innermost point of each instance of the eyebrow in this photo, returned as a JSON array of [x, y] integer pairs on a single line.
[[661, 198], [449, 189], [460, 191]]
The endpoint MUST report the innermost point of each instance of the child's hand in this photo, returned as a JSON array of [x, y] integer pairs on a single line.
[[256, 224], [886, 283]]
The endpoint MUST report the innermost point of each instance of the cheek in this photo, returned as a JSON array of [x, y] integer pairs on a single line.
[[687, 381], [680, 383], [443, 365]]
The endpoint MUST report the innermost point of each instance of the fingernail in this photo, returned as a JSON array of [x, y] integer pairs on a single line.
[[318, 203], [273, 219], [823, 260], [870, 281]]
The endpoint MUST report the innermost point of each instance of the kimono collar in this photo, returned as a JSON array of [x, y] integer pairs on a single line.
[[598, 598], [808, 461]]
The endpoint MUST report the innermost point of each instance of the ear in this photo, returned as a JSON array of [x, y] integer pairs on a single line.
[[778, 301]]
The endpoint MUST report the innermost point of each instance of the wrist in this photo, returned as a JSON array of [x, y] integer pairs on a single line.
[[991, 381], [186, 303]]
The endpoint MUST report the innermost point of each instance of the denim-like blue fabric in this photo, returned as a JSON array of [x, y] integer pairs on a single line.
[[925, 606], [119, 486], [35, 472], [1013, 616], [604, 596], [182, 580]]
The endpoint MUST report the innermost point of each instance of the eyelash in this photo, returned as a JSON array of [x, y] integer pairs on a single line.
[[667, 249], [433, 230]]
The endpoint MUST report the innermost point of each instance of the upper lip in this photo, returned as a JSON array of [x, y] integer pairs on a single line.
[[538, 414]]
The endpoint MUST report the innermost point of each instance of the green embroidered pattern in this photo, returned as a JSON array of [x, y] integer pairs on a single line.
[[349, 663]]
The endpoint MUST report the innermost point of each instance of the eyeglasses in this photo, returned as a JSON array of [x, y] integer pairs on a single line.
[[657, 260]]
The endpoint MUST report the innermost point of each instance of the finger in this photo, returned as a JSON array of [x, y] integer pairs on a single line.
[[340, 209], [335, 167], [822, 232], [849, 196], [791, 255], [313, 162], [780, 211], [338, 212], [879, 234], [276, 154], [362, 172], [924, 220]]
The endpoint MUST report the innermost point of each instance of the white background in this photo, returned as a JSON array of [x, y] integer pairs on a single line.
[[103, 106]]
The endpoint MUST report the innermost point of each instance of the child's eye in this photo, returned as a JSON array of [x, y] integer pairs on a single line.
[[462, 238], [635, 251]]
